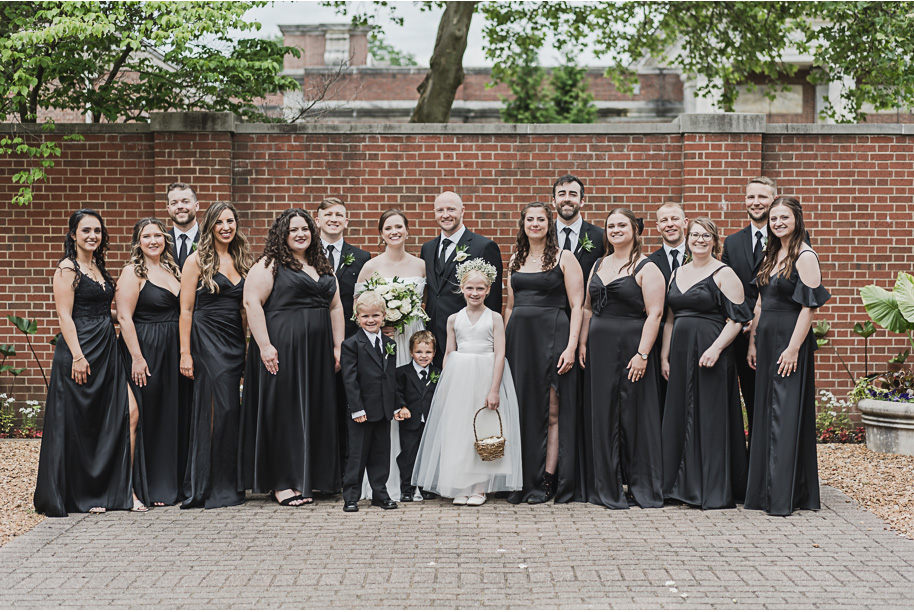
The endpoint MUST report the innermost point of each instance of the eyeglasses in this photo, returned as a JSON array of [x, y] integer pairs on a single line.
[[697, 236]]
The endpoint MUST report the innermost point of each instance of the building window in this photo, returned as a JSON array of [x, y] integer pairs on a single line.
[[336, 48]]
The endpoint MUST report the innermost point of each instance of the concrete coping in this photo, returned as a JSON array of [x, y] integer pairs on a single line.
[[688, 123]]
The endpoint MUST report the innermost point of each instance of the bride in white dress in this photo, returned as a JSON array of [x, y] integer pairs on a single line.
[[395, 262]]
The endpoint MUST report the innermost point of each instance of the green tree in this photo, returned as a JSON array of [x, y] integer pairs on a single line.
[[117, 61], [385, 52], [531, 102], [868, 44], [570, 94]]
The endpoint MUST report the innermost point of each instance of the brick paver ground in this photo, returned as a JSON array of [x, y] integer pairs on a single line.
[[431, 554]]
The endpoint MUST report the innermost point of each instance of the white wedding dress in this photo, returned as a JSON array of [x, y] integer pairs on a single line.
[[447, 463], [403, 357]]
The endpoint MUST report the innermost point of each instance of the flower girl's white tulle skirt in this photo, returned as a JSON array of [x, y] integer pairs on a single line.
[[447, 463]]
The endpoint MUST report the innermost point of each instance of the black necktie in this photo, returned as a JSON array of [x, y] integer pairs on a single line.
[[674, 253], [567, 245], [423, 378], [330, 249], [757, 251], [182, 253], [377, 347], [442, 257]]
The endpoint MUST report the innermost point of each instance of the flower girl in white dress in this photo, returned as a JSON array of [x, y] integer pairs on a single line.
[[475, 374]]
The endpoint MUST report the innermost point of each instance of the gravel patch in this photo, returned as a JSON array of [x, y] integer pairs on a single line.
[[883, 484], [18, 471]]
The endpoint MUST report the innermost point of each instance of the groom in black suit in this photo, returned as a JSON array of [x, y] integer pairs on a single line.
[[182, 206], [743, 252], [572, 231], [442, 254]]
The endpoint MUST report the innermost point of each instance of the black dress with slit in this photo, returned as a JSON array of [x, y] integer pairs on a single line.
[[158, 472], [213, 478], [535, 337], [783, 470], [290, 420], [85, 447], [621, 418], [704, 446]]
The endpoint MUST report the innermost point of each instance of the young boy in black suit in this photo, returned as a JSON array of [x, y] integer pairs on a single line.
[[416, 382], [368, 362]]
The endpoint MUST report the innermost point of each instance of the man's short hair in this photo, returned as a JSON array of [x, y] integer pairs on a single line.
[[567, 178], [423, 335], [671, 205], [180, 185], [329, 202], [764, 180]]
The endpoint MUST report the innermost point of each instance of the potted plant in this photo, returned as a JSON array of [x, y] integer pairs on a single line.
[[886, 401]]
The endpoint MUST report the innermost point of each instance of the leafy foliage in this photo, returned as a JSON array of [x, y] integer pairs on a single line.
[[833, 423], [565, 98], [118, 61], [893, 310], [386, 53]]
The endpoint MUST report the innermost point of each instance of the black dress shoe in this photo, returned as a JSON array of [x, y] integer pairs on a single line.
[[385, 504], [428, 494], [406, 498], [351, 507]]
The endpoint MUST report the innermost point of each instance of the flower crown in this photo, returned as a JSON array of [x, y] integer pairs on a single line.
[[476, 265]]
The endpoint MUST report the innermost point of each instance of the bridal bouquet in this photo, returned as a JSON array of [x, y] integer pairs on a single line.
[[404, 304]]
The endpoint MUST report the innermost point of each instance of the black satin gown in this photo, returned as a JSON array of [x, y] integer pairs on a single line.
[[85, 447], [217, 343], [783, 470], [621, 417], [290, 420], [158, 473], [536, 335], [704, 447]]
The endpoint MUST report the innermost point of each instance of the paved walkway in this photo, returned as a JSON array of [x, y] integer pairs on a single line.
[[430, 554]]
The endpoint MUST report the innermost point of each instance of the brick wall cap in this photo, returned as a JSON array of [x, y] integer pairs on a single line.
[[486, 129], [193, 122], [722, 123], [840, 129]]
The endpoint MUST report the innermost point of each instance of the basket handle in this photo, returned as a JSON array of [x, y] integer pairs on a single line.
[[501, 430]]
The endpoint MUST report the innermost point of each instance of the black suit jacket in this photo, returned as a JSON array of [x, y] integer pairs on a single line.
[[371, 382], [444, 297], [414, 394], [659, 258], [586, 258], [738, 255], [346, 277]]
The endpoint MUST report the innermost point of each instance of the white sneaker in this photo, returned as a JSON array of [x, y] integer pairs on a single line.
[[461, 500]]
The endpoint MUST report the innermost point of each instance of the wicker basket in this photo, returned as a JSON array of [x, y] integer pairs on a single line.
[[493, 447]]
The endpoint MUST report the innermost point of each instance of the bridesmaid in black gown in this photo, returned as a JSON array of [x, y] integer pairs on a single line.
[[212, 333], [540, 348], [84, 464], [147, 310], [704, 448], [622, 313], [783, 474], [296, 318]]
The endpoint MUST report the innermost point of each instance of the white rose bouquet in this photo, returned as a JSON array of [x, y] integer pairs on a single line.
[[404, 304]]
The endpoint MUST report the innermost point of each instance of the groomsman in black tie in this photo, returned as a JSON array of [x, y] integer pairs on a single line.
[[347, 261], [182, 205], [743, 252], [671, 223], [442, 254], [573, 232]]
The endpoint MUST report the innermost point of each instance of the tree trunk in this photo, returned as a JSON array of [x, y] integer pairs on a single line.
[[445, 72]]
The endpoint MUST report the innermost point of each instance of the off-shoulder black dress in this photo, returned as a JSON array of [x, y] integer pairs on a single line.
[[783, 472], [704, 447]]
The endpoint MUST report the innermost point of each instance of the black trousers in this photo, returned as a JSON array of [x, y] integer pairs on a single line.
[[369, 449], [746, 376], [406, 460]]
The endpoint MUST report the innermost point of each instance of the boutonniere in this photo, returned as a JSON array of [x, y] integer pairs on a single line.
[[348, 260], [461, 253], [586, 243], [433, 378], [193, 247], [390, 349]]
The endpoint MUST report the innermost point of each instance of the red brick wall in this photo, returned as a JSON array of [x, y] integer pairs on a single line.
[[856, 191]]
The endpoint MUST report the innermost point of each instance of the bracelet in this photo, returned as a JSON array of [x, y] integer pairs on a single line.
[[80, 358]]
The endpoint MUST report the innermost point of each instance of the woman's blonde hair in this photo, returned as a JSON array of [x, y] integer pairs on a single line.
[[711, 228], [138, 259], [239, 249]]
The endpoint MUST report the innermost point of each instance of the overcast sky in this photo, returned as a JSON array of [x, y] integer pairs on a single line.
[[416, 36]]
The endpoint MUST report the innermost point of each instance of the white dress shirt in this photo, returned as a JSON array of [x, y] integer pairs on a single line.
[[680, 253], [337, 252], [428, 373], [191, 237], [575, 232], [454, 238], [764, 230]]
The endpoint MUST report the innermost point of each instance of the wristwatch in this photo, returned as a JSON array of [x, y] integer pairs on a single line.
[[643, 356]]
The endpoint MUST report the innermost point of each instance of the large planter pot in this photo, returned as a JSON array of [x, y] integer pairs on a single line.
[[889, 426]]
